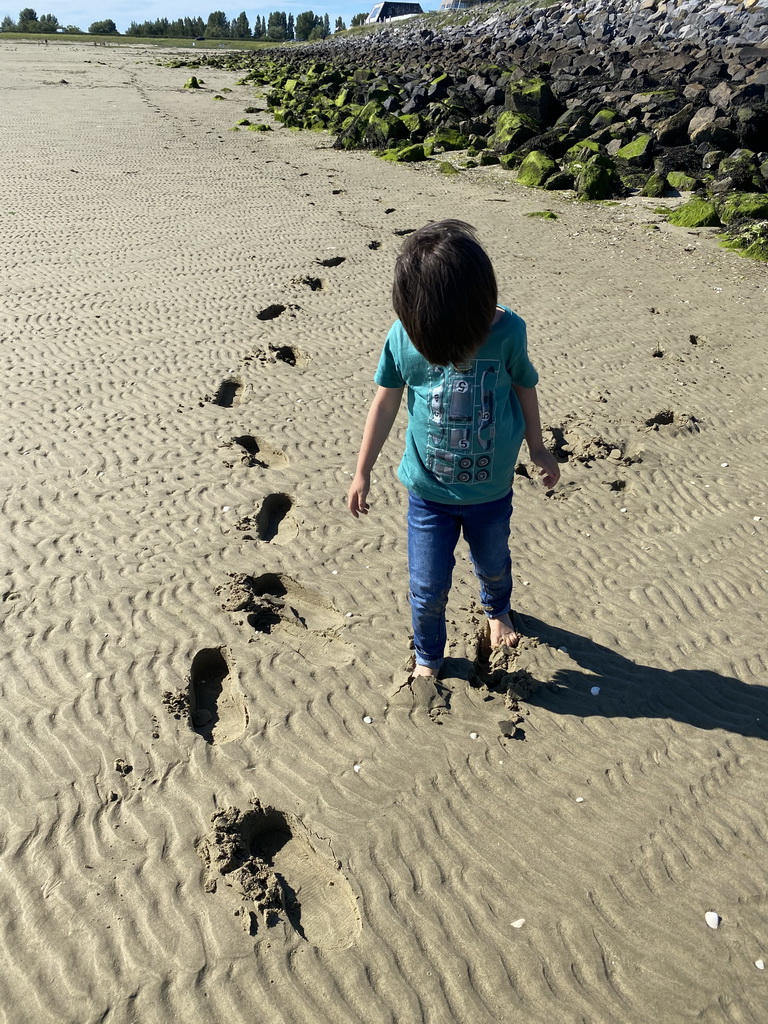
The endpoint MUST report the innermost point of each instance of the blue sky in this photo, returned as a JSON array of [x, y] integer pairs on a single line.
[[82, 12]]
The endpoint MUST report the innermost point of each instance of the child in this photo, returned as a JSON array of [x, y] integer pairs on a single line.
[[471, 400]]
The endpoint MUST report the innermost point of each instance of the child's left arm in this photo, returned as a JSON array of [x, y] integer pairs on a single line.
[[540, 456]]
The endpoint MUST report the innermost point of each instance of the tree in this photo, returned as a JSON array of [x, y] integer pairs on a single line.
[[218, 25], [340, 26], [305, 23], [326, 25], [73, 30], [359, 19], [8, 25], [277, 27], [27, 20], [47, 23], [103, 28], [290, 31], [240, 28]]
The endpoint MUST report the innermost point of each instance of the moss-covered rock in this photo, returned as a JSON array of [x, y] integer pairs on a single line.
[[741, 206], [696, 213], [487, 158], [559, 182], [655, 186], [542, 214], [580, 152], [682, 182], [533, 98], [446, 140], [750, 241], [192, 83], [743, 168], [596, 179], [536, 168], [446, 167], [638, 152], [510, 160], [406, 154], [511, 130]]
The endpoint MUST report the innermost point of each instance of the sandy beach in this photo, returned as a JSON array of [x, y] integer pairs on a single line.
[[194, 625]]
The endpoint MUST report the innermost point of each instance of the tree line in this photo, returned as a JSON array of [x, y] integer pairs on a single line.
[[275, 28]]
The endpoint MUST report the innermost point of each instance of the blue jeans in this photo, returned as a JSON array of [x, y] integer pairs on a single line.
[[433, 531]]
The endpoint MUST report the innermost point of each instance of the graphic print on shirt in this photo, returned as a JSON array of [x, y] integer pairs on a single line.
[[462, 421]]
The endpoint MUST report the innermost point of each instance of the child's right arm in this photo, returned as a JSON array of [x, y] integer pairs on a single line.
[[381, 416]]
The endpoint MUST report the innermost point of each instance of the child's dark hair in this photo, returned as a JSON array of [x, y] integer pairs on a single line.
[[445, 291]]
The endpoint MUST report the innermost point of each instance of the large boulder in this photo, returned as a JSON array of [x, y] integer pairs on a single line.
[[534, 98], [536, 168], [696, 213], [741, 206], [511, 131]]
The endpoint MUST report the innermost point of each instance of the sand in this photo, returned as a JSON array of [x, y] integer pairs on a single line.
[[195, 626]]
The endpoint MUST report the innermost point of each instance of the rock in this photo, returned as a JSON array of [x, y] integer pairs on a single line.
[[596, 180], [673, 130], [192, 83], [696, 213], [511, 131], [655, 186], [743, 206], [534, 98], [405, 155], [681, 181], [445, 167], [536, 168], [742, 168]]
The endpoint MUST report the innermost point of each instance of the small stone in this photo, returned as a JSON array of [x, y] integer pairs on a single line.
[[757, 518], [473, 735], [349, 615], [595, 690], [367, 719], [357, 767], [334, 572], [225, 508], [526, 583], [623, 510], [760, 965], [712, 918], [518, 923], [563, 650], [579, 799], [724, 465]]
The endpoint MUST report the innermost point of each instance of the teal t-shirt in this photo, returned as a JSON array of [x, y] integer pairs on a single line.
[[465, 424]]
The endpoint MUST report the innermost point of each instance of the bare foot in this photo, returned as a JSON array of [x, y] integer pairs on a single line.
[[423, 670], [503, 632]]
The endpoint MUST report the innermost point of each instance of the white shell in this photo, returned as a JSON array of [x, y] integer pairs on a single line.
[[225, 508], [357, 767], [760, 965], [579, 799], [595, 690], [367, 719], [473, 735], [712, 918], [518, 923]]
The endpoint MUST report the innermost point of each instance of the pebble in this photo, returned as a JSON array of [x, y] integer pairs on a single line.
[[712, 918], [473, 735], [334, 572], [357, 767], [623, 510], [724, 465], [757, 518], [367, 719], [225, 508], [579, 799], [349, 615], [563, 650], [595, 690], [760, 965], [518, 923]]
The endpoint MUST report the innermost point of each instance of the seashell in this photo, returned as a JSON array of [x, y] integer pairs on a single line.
[[367, 719], [357, 767], [712, 918], [518, 923], [473, 735], [760, 965], [579, 799]]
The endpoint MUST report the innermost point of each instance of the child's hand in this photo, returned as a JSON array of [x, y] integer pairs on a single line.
[[358, 493], [547, 463]]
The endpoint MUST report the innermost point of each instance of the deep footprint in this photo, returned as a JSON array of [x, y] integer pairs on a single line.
[[332, 261], [270, 312], [277, 865], [272, 600], [215, 711], [229, 393], [266, 523]]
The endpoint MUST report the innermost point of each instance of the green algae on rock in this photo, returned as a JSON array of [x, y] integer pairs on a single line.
[[536, 168], [696, 213]]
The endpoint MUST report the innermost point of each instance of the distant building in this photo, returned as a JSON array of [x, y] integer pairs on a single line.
[[390, 10], [459, 5]]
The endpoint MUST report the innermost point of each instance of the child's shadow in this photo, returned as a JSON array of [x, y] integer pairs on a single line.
[[698, 697]]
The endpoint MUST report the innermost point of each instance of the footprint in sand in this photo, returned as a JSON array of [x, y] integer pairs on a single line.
[[679, 424], [229, 393], [332, 261], [272, 600], [271, 312], [281, 870], [254, 453], [216, 711], [270, 521], [279, 354]]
